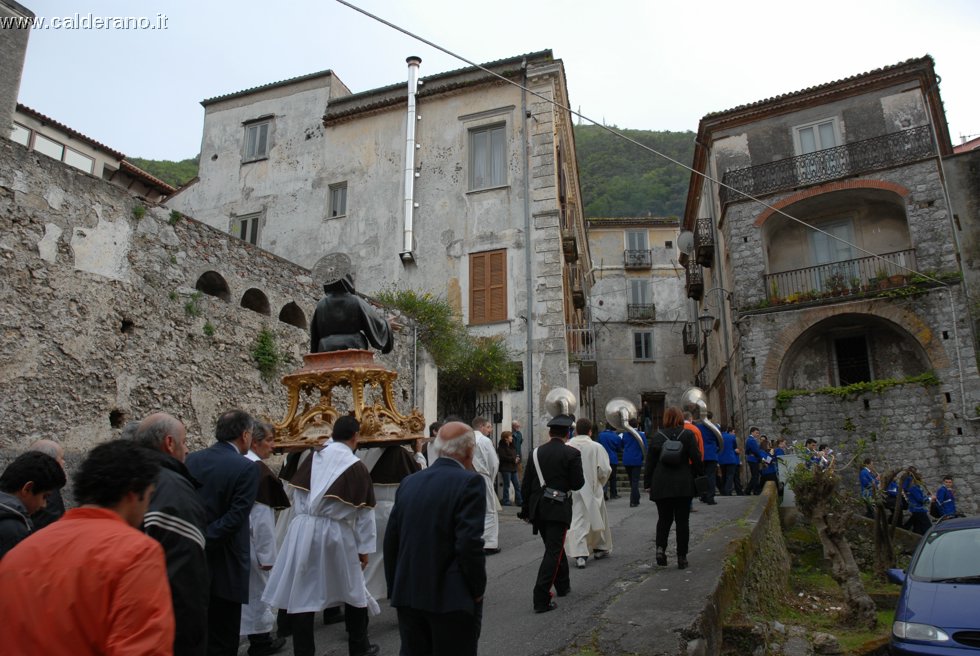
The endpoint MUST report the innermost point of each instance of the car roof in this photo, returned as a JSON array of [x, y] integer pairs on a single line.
[[957, 523]]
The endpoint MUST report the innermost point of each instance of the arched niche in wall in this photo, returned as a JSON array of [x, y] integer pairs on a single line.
[[851, 348], [213, 284], [293, 315], [256, 301]]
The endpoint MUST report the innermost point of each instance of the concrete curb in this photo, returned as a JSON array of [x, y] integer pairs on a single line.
[[679, 613]]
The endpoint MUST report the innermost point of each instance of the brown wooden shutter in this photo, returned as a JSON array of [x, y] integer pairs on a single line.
[[488, 287], [497, 286], [478, 288]]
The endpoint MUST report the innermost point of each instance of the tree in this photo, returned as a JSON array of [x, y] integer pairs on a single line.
[[819, 499]]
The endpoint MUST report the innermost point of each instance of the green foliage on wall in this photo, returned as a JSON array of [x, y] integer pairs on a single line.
[[619, 179], [464, 361], [266, 354], [927, 379], [192, 307]]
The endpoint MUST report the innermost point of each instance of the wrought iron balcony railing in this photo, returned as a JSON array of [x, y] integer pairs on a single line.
[[641, 312], [690, 338], [704, 242], [694, 275], [581, 341], [845, 278], [637, 259], [858, 157]]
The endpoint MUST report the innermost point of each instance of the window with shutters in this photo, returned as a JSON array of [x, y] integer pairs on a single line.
[[258, 137], [488, 286], [487, 157], [246, 227]]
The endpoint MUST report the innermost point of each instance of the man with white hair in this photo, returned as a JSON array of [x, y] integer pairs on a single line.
[[486, 464], [435, 565]]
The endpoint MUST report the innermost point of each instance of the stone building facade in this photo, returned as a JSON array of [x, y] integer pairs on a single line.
[[483, 211], [108, 314], [841, 271], [639, 311]]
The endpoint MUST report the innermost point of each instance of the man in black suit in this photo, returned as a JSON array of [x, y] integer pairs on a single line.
[[229, 484], [548, 506], [435, 566]]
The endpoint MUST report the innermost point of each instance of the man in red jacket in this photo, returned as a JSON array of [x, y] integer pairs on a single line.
[[108, 578]]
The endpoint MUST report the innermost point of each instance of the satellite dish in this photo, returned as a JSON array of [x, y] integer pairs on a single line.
[[331, 268], [619, 411], [685, 242], [560, 401]]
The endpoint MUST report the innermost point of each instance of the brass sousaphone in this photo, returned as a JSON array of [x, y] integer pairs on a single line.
[[560, 401], [695, 400], [619, 412]]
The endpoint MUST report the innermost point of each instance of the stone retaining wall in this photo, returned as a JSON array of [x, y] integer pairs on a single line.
[[100, 321]]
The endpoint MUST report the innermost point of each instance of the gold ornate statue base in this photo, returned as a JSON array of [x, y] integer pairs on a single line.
[[312, 387]]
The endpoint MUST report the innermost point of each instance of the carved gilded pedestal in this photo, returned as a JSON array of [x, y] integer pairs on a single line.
[[312, 413]]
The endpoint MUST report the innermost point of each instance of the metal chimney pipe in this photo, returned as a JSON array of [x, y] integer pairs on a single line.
[[409, 204]]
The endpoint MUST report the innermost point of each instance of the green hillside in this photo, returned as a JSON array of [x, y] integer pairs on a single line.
[[620, 179], [175, 174]]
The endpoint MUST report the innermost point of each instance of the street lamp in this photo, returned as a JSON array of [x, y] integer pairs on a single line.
[[707, 322]]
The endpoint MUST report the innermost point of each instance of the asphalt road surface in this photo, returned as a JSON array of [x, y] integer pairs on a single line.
[[511, 628]]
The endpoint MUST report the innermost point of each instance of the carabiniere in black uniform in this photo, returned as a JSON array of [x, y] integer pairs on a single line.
[[548, 507]]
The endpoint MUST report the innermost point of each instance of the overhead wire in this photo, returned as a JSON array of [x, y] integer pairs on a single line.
[[705, 176]]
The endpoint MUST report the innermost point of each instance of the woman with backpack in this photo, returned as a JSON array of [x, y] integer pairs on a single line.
[[673, 462]]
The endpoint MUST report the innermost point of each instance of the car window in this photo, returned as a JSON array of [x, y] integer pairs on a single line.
[[949, 554]]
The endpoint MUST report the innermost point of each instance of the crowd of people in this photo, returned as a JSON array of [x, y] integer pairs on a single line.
[[171, 552]]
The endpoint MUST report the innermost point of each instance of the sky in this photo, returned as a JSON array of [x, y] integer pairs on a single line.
[[640, 64]]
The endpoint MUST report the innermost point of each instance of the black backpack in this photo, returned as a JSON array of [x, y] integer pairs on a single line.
[[935, 510], [672, 451]]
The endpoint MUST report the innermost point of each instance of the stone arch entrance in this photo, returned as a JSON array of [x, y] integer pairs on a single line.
[[807, 353]]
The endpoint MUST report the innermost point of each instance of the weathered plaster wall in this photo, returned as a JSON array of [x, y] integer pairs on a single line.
[[963, 182], [93, 325]]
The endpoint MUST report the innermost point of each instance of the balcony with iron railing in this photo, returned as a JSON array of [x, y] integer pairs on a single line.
[[690, 337], [840, 280], [704, 242], [854, 158], [576, 283], [641, 312], [581, 342], [694, 276], [637, 259]]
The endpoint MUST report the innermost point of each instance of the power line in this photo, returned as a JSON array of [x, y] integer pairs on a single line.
[[703, 175]]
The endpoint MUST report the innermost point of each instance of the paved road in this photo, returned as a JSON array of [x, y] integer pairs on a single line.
[[511, 628]]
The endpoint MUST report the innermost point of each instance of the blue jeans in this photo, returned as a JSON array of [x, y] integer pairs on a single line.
[[506, 478]]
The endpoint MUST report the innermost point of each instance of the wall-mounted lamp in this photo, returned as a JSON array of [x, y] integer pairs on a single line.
[[707, 322]]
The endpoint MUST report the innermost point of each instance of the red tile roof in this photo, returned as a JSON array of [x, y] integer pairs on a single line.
[[47, 120]]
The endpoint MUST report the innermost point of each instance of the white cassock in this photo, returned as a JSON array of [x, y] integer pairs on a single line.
[[590, 526], [318, 566], [486, 463], [257, 616], [384, 498]]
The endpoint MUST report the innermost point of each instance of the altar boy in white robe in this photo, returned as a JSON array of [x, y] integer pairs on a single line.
[[327, 544], [486, 464], [589, 533], [257, 616]]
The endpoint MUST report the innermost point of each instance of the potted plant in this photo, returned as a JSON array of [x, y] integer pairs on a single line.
[[855, 285], [882, 278], [835, 284]]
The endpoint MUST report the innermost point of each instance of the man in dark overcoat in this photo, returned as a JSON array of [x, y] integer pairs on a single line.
[[548, 507]]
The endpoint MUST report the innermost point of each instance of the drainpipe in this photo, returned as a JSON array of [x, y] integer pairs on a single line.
[[407, 255], [528, 312]]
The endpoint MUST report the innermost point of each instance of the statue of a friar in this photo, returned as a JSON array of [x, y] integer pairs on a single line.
[[344, 320]]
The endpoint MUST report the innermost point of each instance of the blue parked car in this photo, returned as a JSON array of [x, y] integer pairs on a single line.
[[938, 612]]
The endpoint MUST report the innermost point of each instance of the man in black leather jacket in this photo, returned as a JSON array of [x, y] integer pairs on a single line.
[[548, 507]]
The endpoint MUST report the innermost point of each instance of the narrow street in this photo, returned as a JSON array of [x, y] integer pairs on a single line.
[[511, 628]]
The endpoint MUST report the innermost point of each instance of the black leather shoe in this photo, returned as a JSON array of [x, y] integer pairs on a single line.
[[661, 556], [544, 609], [373, 650], [682, 562], [563, 592], [492, 551]]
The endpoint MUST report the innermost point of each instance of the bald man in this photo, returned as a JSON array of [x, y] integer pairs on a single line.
[[435, 566], [177, 520], [55, 507]]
